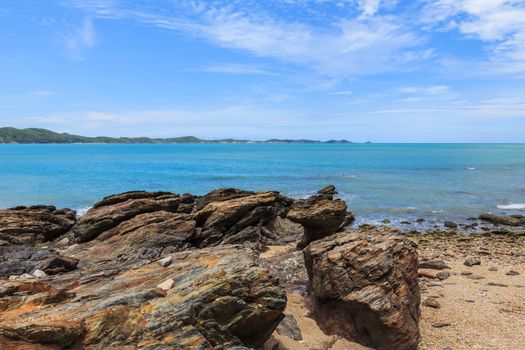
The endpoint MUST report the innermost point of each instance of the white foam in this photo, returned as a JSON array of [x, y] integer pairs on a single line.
[[471, 168], [82, 211], [512, 206]]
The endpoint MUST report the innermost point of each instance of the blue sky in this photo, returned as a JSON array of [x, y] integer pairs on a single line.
[[379, 70]]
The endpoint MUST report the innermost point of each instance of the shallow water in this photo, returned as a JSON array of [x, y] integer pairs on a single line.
[[395, 181]]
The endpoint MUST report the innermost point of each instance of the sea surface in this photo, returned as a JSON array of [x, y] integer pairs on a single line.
[[378, 181]]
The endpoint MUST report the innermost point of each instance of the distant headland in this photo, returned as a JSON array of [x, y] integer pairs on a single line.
[[36, 135]]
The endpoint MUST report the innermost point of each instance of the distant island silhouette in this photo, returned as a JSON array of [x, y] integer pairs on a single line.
[[37, 135]]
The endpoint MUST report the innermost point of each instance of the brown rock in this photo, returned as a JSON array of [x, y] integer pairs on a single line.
[[431, 302], [503, 220], [433, 265], [320, 218], [28, 225], [219, 298], [367, 286], [471, 262], [58, 264]]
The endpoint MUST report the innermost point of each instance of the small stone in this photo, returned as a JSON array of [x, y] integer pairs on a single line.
[[431, 302], [466, 273], [386, 221], [166, 285], [495, 284], [433, 265], [39, 273], [471, 262], [26, 275], [493, 268], [405, 222], [475, 277], [512, 273], [63, 242], [165, 261], [420, 220], [450, 224], [440, 324], [13, 277], [443, 275]]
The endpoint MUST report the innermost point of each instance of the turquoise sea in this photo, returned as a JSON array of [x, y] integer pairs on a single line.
[[395, 181]]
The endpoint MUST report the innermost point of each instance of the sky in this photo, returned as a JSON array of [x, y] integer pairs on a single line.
[[361, 70]]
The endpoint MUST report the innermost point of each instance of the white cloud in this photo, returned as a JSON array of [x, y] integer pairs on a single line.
[[236, 69], [498, 23], [77, 38], [369, 7], [428, 90]]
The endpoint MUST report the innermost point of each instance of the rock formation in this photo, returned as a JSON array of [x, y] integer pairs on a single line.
[[514, 220], [217, 298], [28, 225], [366, 286]]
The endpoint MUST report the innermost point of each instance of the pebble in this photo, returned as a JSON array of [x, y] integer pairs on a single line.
[[39, 273], [512, 273], [466, 273], [433, 265], [471, 262], [495, 284], [475, 277], [431, 302], [440, 324], [165, 261], [167, 284], [26, 275], [443, 275], [493, 268], [450, 224]]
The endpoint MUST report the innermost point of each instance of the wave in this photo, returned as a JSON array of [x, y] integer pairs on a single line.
[[471, 168], [82, 211], [512, 206]]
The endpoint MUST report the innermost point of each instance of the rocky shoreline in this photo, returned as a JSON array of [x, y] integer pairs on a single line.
[[235, 269]]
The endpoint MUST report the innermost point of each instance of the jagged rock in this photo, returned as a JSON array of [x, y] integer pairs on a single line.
[[320, 218], [29, 225], [116, 209], [471, 262], [517, 220], [220, 298], [219, 195], [16, 259], [431, 302], [289, 328], [58, 264], [165, 261], [366, 285]]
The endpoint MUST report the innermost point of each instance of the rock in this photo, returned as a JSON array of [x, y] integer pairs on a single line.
[[493, 268], [441, 324], [289, 328], [433, 265], [475, 277], [512, 273], [420, 220], [166, 285], [319, 218], [165, 261], [443, 275], [366, 285], [450, 224], [21, 258], [29, 225], [39, 273], [405, 222], [26, 275], [496, 284], [220, 298], [327, 193], [58, 264], [386, 221], [219, 195], [503, 220], [431, 302], [471, 262], [466, 273], [114, 210]]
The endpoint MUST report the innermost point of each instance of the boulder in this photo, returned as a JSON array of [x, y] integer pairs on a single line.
[[516, 220], [29, 225], [218, 298], [320, 218], [114, 210], [366, 286]]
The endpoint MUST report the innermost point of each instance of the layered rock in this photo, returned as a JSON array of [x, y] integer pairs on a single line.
[[515, 220], [215, 298], [28, 225], [320, 217], [366, 287]]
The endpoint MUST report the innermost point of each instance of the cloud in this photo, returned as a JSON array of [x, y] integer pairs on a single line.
[[500, 24], [338, 46], [77, 38], [428, 90], [236, 69]]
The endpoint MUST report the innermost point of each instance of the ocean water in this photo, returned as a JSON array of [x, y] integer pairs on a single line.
[[378, 181]]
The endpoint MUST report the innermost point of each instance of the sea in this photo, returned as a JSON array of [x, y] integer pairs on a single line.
[[398, 182]]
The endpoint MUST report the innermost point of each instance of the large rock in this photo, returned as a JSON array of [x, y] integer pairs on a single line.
[[366, 286], [319, 217], [517, 220], [219, 298], [114, 210], [29, 225]]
